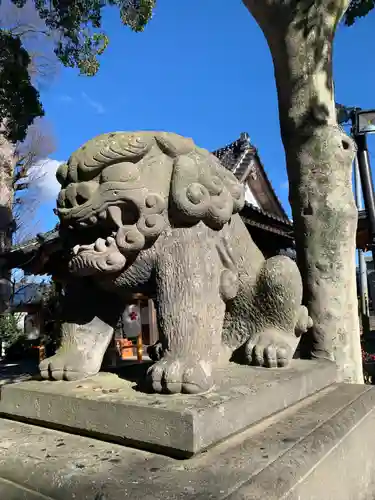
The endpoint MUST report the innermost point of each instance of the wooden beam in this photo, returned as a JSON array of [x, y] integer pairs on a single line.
[[152, 323]]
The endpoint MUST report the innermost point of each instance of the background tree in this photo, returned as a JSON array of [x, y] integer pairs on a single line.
[[357, 9], [31, 158], [19, 106], [10, 329], [25, 24], [27, 28], [71, 27], [19, 203], [319, 164]]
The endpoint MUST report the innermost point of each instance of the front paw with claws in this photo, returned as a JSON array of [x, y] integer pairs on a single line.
[[173, 375], [271, 349], [69, 366]]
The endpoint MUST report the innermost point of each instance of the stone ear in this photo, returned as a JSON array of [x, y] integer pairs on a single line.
[[174, 145], [202, 189]]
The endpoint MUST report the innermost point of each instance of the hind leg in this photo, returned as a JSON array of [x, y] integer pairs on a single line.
[[279, 316]]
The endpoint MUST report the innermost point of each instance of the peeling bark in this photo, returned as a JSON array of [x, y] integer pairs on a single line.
[[319, 163], [7, 160]]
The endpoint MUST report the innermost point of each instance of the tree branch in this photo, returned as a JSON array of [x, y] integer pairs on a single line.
[[28, 31], [21, 187]]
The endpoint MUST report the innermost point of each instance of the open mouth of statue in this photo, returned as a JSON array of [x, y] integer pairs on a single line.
[[106, 238], [102, 225], [108, 221], [111, 226], [107, 201], [97, 250]]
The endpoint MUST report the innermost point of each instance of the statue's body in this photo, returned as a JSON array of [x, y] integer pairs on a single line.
[[153, 212]]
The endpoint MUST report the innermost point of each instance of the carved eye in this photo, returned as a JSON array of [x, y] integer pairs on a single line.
[[84, 191]]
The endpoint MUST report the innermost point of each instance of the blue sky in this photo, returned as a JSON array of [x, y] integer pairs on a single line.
[[201, 69]]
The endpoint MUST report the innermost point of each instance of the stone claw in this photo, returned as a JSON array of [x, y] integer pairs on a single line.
[[67, 367], [271, 349], [173, 376], [304, 322]]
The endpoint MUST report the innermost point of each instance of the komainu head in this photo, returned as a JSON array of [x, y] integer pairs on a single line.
[[119, 191]]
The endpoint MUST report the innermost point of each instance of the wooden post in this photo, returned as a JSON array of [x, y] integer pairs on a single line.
[[139, 347], [112, 352], [154, 336], [42, 353]]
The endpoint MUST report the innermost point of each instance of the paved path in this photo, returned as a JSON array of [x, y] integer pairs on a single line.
[[42, 464], [17, 371], [11, 373]]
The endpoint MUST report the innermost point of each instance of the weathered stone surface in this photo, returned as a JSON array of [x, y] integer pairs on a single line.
[[179, 425], [321, 448], [153, 212], [335, 460], [12, 491]]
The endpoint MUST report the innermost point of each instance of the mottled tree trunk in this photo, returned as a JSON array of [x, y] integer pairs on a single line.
[[319, 163], [6, 218]]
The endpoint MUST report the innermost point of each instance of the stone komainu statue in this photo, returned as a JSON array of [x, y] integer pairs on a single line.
[[151, 212]]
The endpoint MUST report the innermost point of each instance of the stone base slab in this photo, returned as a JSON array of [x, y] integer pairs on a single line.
[[111, 408], [322, 448]]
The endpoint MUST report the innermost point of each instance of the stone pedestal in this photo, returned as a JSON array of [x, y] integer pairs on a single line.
[[321, 448], [111, 408]]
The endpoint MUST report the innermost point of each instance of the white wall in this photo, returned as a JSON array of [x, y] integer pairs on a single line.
[[21, 320], [249, 197]]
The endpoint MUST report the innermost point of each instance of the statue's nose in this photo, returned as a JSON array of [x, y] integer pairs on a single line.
[[76, 194]]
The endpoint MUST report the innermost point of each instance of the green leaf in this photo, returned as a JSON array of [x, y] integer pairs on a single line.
[[9, 329], [19, 100], [79, 44], [78, 23], [357, 9]]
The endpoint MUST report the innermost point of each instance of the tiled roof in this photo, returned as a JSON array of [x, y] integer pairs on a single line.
[[24, 254], [254, 216], [39, 239], [242, 159], [238, 156], [274, 217], [362, 214]]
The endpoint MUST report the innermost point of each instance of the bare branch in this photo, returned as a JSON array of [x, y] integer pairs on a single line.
[[39, 41], [21, 187], [23, 31], [29, 156], [39, 144]]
